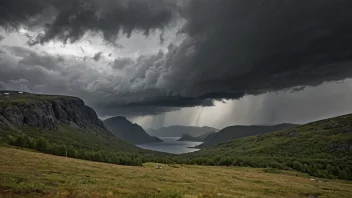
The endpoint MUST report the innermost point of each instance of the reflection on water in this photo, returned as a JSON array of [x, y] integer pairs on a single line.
[[171, 145]]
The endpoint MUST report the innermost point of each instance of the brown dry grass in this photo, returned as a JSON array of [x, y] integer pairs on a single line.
[[30, 174]]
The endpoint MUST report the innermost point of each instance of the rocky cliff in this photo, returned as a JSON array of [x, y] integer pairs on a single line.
[[46, 112]]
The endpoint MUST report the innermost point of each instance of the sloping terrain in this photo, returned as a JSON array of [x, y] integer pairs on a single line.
[[322, 148], [126, 131], [234, 132], [29, 174]]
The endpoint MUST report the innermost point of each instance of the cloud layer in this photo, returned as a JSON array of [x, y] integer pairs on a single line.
[[233, 48], [69, 20]]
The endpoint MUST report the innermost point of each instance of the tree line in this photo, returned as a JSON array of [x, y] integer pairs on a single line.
[[324, 168], [43, 145]]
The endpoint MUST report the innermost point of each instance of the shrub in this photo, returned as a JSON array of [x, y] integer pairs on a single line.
[[42, 144]]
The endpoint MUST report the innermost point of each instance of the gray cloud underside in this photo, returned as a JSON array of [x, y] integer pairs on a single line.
[[109, 93], [69, 20], [233, 48], [98, 56]]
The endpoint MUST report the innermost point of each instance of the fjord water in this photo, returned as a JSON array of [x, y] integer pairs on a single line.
[[171, 145]]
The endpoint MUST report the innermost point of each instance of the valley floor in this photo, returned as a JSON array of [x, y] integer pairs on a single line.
[[29, 174]]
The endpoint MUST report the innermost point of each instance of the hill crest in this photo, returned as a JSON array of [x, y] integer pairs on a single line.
[[130, 132], [178, 131], [240, 131]]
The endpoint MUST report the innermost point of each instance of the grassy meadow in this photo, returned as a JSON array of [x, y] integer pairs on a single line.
[[30, 174]]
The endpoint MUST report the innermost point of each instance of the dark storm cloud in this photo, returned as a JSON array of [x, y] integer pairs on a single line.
[[253, 47], [17, 12], [233, 48], [2, 85], [170, 101], [97, 56], [131, 111], [121, 63], [241, 47], [69, 20], [161, 37], [238, 47]]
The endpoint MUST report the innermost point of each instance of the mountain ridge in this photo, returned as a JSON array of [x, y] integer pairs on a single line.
[[127, 131], [240, 131], [178, 131], [201, 138]]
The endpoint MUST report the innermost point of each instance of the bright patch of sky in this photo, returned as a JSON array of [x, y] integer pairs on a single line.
[[92, 43]]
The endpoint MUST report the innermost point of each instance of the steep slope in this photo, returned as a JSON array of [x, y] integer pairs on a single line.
[[178, 131], [131, 133], [60, 119], [322, 149], [200, 138], [234, 132]]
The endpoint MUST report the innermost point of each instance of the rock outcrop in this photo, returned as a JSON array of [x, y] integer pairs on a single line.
[[47, 113]]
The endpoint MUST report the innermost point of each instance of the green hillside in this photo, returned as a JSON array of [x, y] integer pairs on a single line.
[[235, 132], [62, 125], [71, 136], [322, 149]]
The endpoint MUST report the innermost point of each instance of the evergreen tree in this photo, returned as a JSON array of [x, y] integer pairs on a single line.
[[42, 144], [329, 169], [335, 170], [297, 166], [343, 175], [71, 152], [20, 141]]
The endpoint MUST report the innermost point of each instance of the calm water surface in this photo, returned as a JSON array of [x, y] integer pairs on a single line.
[[171, 145]]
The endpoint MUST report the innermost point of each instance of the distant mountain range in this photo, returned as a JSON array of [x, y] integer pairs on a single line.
[[234, 132], [200, 138], [178, 131], [129, 132]]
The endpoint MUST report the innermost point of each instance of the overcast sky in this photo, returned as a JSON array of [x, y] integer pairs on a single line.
[[187, 62]]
